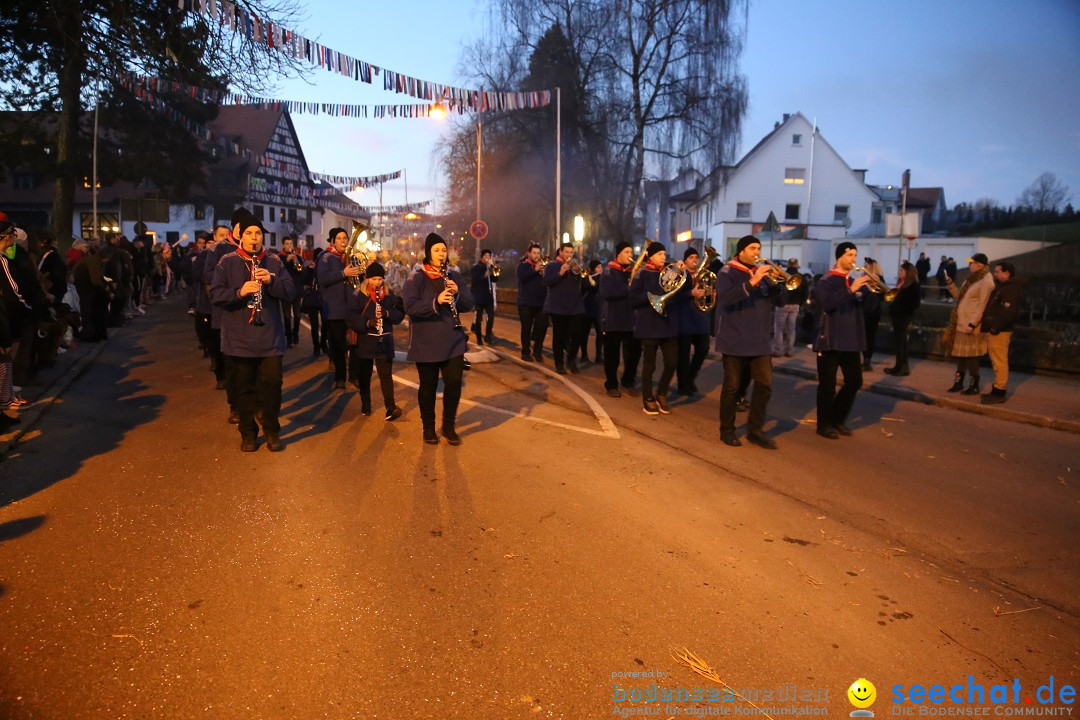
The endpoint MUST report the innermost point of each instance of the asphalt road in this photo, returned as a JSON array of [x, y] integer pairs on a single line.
[[148, 569]]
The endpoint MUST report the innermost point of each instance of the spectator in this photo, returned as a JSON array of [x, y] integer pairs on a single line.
[[922, 265], [942, 276], [89, 277], [964, 337], [786, 318], [998, 320], [902, 309]]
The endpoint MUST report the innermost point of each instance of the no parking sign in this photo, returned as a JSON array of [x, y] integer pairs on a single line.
[[478, 229]]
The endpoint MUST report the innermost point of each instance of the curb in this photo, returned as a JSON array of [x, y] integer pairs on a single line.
[[907, 393], [52, 392]]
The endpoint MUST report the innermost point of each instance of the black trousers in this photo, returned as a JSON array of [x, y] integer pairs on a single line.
[[534, 325], [832, 406], [202, 330], [900, 327], [737, 370], [334, 330], [587, 325], [314, 315], [290, 316], [451, 371], [218, 362], [873, 320], [693, 349], [614, 341], [360, 369], [258, 393], [478, 323], [565, 337], [669, 351]]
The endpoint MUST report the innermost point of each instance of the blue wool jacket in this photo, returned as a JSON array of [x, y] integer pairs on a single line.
[[531, 288], [481, 292], [616, 314], [360, 316], [746, 312], [840, 322], [239, 338], [432, 335], [649, 324], [201, 275], [330, 272], [563, 291], [212, 261], [691, 320]]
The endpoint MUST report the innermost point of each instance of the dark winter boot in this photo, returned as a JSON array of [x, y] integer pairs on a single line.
[[973, 388], [430, 436], [958, 383], [450, 434], [994, 397]]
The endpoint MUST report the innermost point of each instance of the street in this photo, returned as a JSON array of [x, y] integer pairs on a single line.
[[149, 569]]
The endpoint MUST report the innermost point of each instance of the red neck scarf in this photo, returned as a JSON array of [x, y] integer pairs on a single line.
[[432, 272], [616, 266], [844, 274], [650, 265], [334, 251], [376, 294], [739, 266], [251, 258]]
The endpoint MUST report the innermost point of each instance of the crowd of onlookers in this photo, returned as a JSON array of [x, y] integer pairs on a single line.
[[50, 300]]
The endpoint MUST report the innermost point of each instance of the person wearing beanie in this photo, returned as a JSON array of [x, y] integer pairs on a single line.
[[617, 322], [294, 265], [202, 273], [249, 286], [655, 331], [483, 290], [336, 277], [590, 294], [999, 317], [965, 337], [695, 328], [746, 295], [840, 340], [371, 314], [434, 299], [565, 307], [530, 303]]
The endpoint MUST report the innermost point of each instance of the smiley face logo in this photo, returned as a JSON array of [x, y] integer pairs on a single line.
[[862, 693]]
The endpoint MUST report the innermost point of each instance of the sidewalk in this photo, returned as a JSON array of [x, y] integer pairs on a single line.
[[1034, 399]]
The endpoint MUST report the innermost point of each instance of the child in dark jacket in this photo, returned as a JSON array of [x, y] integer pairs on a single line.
[[371, 313]]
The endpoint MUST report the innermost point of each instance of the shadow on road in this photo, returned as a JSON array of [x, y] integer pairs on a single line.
[[17, 528]]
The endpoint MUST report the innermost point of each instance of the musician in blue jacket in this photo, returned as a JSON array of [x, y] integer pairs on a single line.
[[483, 291], [224, 242], [249, 287], [746, 297], [617, 321], [530, 302], [335, 276], [372, 312], [656, 331], [434, 297], [565, 307], [840, 340], [695, 328]]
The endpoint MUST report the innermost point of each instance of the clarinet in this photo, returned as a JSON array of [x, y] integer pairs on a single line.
[[453, 299], [256, 301], [379, 295]]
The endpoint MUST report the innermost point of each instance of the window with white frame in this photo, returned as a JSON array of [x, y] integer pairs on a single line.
[[840, 213], [791, 211], [742, 211], [794, 176]]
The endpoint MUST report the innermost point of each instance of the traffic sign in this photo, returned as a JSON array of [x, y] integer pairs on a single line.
[[478, 229], [910, 241]]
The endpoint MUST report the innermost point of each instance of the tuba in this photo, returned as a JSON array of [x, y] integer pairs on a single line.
[[672, 278], [705, 279], [356, 256]]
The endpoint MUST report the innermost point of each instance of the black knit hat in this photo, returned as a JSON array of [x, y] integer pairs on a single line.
[[246, 221], [744, 241], [690, 251], [431, 241], [653, 248], [485, 251], [334, 233], [621, 246], [375, 270], [237, 214], [843, 248]]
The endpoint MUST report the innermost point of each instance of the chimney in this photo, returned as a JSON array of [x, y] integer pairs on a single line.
[[787, 116], [861, 175], [776, 125]]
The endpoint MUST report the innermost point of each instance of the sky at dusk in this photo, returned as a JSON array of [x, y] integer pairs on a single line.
[[976, 96]]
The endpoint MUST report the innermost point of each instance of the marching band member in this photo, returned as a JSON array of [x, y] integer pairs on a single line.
[[294, 265], [225, 242], [249, 287], [694, 329], [655, 331], [566, 308], [745, 297], [434, 299], [617, 319], [372, 312], [483, 290], [530, 302], [332, 272], [840, 339], [590, 293]]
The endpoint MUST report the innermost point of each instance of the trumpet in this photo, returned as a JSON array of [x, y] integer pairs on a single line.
[[876, 286], [791, 282], [576, 268], [494, 270]]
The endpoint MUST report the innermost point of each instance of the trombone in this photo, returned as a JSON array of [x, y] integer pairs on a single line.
[[876, 286], [791, 282]]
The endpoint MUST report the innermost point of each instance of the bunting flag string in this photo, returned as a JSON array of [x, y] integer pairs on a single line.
[[451, 106], [394, 209], [226, 13], [354, 181]]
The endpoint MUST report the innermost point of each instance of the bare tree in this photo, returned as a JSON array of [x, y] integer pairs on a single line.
[[1045, 194]]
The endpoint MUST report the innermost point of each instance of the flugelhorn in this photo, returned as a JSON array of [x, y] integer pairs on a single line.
[[876, 286], [791, 282]]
